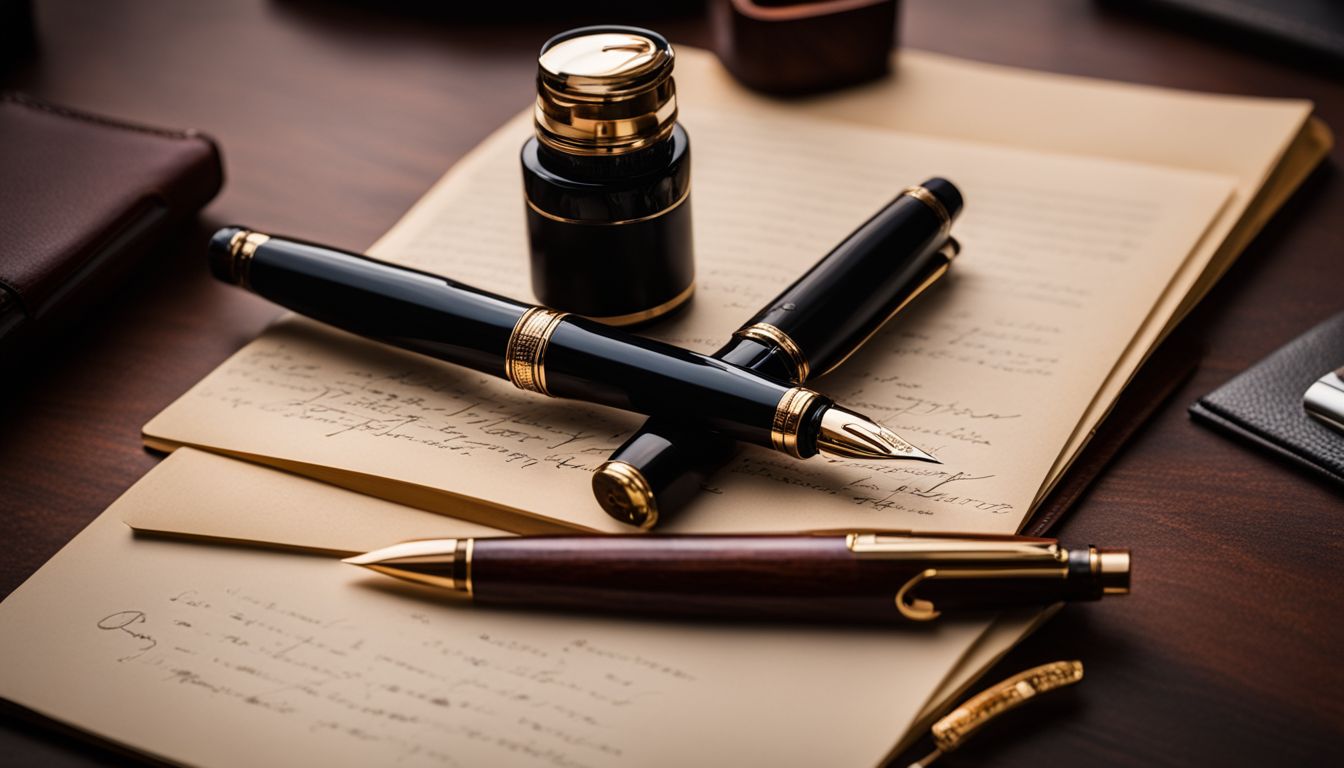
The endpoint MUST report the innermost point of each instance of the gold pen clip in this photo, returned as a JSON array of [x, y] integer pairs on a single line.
[[951, 731], [952, 558], [903, 546]]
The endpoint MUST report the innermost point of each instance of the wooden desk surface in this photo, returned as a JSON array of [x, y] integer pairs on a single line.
[[334, 119]]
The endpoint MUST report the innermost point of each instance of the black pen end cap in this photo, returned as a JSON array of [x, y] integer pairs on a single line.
[[220, 253], [947, 194]]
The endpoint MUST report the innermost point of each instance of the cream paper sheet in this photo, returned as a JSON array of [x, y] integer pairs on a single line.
[[198, 495], [1063, 259], [1267, 145], [221, 656]]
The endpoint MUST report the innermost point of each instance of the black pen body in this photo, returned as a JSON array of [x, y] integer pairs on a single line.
[[840, 302], [809, 329], [567, 356], [404, 307], [587, 360]]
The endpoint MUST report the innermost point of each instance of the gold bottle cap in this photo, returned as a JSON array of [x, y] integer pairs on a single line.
[[605, 90]]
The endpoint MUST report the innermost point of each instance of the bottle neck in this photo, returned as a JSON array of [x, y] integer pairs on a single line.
[[599, 168]]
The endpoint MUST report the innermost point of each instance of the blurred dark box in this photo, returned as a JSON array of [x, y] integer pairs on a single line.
[[84, 198], [787, 48]]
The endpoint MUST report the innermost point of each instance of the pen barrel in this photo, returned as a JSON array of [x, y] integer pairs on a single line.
[[538, 350], [398, 305], [590, 361], [754, 577], [840, 302]]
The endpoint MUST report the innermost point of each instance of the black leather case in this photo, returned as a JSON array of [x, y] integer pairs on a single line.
[[1264, 403]]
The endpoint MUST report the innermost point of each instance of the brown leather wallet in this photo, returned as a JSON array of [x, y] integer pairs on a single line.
[[83, 197]]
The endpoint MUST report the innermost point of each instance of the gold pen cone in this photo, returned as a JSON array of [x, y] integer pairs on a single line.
[[847, 435], [444, 563]]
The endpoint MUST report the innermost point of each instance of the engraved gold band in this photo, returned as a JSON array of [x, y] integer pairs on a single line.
[[242, 247], [926, 197], [525, 354], [625, 493], [951, 731], [788, 420], [770, 335], [650, 313], [665, 211]]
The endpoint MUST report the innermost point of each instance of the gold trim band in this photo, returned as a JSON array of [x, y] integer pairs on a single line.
[[525, 354], [567, 132], [788, 420], [625, 494], [242, 247], [562, 219], [466, 579], [926, 197], [650, 313], [769, 334]]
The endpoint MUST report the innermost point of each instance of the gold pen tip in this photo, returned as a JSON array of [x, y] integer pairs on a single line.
[[436, 562], [407, 552], [846, 434]]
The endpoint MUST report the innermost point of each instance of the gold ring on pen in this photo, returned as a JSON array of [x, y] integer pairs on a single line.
[[788, 420], [926, 197], [769, 334], [525, 354]]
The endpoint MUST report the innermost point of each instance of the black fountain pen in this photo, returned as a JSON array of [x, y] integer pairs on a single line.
[[545, 351], [804, 332], [869, 577]]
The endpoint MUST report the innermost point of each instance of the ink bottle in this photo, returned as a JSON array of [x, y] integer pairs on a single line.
[[607, 178]]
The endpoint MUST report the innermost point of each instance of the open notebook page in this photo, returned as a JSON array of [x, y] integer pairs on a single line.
[[191, 646], [1268, 146], [1063, 259]]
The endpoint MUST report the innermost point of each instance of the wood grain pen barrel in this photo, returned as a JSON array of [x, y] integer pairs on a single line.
[[853, 577]]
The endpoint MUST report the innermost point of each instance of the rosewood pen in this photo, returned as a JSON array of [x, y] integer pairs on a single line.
[[545, 351], [877, 577], [806, 331]]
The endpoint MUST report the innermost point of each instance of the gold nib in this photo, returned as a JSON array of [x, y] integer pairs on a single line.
[[847, 435], [444, 563]]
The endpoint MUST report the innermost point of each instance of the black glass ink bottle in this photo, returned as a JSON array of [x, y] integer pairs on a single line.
[[608, 178]]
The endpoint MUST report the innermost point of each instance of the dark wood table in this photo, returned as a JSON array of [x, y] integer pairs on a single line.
[[334, 117]]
